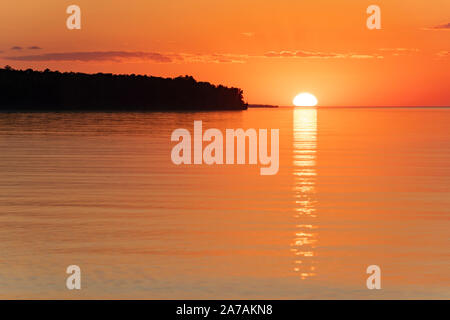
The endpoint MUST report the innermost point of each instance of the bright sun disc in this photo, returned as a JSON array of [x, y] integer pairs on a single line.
[[305, 100]]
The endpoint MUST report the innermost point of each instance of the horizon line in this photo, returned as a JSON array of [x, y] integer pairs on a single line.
[[348, 107]]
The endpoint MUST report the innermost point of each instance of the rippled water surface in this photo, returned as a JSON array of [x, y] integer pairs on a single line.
[[356, 187]]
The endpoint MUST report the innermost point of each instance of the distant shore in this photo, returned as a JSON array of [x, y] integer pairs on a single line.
[[53, 91], [262, 106]]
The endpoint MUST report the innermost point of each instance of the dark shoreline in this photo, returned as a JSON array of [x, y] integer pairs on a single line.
[[263, 106], [52, 91], [131, 110]]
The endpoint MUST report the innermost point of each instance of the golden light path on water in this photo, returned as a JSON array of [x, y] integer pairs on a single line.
[[304, 163]]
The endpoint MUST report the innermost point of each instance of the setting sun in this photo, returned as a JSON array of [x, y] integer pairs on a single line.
[[305, 100]]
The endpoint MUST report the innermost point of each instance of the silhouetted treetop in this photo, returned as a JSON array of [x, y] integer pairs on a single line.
[[31, 90]]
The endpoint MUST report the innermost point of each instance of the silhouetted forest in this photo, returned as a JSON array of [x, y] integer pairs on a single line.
[[35, 91]]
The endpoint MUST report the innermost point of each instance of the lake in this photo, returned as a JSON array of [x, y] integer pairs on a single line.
[[355, 187]]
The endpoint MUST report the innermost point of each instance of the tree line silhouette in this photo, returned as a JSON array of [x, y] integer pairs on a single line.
[[36, 91]]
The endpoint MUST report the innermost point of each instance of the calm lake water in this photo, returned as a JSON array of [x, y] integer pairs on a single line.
[[356, 187]]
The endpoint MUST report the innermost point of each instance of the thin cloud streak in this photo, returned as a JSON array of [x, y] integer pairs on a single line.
[[444, 26], [400, 51], [137, 56], [117, 56], [319, 55], [126, 56]]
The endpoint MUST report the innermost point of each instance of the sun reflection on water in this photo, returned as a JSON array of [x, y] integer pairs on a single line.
[[304, 147]]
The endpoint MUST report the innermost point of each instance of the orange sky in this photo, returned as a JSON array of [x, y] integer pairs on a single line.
[[273, 49]]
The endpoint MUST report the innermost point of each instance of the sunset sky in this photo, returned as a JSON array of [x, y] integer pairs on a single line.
[[271, 49]]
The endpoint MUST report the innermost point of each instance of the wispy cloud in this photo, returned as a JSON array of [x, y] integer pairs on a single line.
[[443, 26], [365, 56], [130, 56], [400, 51], [301, 54], [318, 55], [213, 58], [117, 56], [138, 56], [18, 48]]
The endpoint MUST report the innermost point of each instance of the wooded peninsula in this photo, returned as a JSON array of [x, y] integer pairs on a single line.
[[54, 91]]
